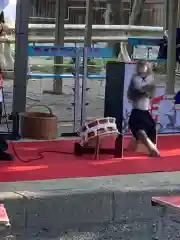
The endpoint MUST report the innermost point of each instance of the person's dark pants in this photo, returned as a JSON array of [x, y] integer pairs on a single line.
[[1, 111], [3, 142], [142, 120]]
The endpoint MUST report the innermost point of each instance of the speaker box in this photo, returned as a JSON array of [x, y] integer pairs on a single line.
[[114, 92]]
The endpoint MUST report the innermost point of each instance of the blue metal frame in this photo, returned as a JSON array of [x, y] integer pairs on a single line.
[[58, 50]]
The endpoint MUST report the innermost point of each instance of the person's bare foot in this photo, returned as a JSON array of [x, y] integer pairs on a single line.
[[154, 153]]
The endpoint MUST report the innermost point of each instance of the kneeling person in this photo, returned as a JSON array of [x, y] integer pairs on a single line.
[[140, 92]]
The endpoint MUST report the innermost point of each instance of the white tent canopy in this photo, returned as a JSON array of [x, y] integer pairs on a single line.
[[9, 10], [3, 4]]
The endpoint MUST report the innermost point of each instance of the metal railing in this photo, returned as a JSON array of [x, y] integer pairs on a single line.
[[101, 33], [97, 30]]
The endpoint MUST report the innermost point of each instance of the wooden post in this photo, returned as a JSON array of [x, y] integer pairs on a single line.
[[59, 39], [87, 44], [171, 63], [89, 22], [166, 15]]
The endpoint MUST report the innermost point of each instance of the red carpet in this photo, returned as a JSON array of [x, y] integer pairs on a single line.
[[56, 165]]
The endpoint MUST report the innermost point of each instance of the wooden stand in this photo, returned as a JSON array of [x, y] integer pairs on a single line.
[[79, 149], [97, 147]]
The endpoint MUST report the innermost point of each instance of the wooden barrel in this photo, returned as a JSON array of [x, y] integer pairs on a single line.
[[39, 125]]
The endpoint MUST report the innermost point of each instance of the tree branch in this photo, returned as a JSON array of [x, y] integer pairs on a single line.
[[136, 13]]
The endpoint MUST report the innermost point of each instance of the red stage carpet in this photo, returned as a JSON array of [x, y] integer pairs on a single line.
[[56, 165]]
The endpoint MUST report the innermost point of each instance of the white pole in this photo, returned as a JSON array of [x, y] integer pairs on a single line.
[[87, 45]]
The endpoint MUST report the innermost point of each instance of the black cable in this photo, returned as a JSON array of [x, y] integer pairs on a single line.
[[40, 153]]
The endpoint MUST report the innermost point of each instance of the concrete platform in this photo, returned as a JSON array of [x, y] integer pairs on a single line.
[[60, 208]]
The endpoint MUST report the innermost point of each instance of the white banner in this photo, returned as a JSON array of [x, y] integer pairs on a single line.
[[169, 119], [164, 110]]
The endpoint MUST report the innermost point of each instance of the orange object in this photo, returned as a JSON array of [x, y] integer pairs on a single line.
[[4, 219]]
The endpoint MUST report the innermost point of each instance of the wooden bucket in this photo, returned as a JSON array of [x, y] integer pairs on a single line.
[[38, 125]]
